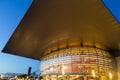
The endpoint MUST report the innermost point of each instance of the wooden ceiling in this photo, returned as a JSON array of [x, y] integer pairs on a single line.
[[51, 22]]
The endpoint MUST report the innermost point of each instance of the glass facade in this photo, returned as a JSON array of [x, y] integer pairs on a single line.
[[78, 61]]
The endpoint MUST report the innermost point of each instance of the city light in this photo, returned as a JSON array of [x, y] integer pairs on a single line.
[[27, 77], [1, 76], [15, 77]]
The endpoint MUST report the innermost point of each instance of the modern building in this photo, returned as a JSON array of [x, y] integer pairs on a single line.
[[73, 39]]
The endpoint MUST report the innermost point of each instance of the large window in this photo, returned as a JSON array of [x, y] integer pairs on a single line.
[[78, 60]]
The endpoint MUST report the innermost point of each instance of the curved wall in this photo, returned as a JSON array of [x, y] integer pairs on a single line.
[[78, 61]]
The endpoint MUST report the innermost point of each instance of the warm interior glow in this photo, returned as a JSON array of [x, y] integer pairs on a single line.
[[93, 73], [51, 69], [110, 75], [63, 69], [74, 61]]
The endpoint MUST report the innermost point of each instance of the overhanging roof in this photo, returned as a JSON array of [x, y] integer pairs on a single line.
[[49, 22]]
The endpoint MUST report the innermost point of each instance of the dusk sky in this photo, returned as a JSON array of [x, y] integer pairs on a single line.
[[11, 13]]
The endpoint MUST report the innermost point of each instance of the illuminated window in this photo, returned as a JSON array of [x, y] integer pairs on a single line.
[[78, 60]]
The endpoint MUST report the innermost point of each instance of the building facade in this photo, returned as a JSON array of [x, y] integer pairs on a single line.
[[82, 62], [73, 40]]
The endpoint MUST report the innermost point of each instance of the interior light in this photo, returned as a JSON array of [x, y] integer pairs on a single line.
[[110, 75], [63, 69], [93, 73]]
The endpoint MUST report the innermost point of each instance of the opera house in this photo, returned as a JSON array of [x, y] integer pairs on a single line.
[[73, 39]]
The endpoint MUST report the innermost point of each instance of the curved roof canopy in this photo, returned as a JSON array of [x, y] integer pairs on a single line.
[[50, 22]]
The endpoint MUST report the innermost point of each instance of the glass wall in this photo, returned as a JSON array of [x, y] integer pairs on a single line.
[[81, 61]]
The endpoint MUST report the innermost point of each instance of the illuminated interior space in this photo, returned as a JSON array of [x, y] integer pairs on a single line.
[[82, 62]]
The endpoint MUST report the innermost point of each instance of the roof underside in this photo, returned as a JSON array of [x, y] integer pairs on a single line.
[[49, 22]]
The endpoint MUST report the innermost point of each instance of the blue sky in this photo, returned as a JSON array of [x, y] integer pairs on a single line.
[[114, 7], [11, 13]]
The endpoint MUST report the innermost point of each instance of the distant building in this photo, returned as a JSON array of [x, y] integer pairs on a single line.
[[10, 75]]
